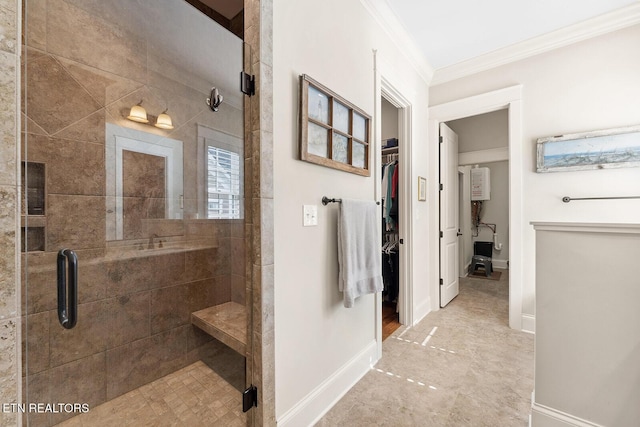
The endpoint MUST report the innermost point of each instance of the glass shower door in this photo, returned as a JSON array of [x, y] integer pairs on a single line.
[[133, 222]]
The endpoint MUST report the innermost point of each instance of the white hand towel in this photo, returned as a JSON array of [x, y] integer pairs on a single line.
[[359, 259]]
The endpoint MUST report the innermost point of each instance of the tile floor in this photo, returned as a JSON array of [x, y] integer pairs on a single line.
[[193, 396], [460, 366]]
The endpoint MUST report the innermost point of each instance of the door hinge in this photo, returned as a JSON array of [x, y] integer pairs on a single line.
[[441, 234], [249, 398], [441, 187], [441, 140], [441, 282], [247, 83], [402, 241]]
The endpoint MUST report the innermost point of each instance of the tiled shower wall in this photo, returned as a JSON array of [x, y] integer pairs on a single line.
[[9, 314], [134, 307], [259, 35], [133, 322]]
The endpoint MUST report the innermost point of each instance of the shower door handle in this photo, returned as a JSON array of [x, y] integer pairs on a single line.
[[67, 289]]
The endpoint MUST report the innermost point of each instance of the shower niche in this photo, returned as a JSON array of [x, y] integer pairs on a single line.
[[33, 220]]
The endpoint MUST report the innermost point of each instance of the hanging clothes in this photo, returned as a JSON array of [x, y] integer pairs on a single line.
[[390, 250], [388, 191], [394, 183], [385, 187], [389, 198]]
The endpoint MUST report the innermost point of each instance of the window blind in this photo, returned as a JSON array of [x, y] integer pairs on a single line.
[[223, 183]]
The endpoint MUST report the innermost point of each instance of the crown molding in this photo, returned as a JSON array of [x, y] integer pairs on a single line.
[[387, 20], [609, 22]]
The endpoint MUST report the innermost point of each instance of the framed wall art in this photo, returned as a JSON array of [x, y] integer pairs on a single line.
[[332, 131], [611, 148]]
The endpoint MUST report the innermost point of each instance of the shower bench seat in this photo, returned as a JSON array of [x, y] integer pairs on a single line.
[[225, 322]]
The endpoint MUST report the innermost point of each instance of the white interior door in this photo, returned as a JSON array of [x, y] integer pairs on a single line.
[[449, 220]]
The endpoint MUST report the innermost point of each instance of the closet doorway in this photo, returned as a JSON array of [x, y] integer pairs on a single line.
[[392, 194]]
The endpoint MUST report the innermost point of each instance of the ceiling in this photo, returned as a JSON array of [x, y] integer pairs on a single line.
[[449, 32]]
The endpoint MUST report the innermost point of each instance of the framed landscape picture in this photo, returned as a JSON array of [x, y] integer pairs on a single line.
[[611, 148]]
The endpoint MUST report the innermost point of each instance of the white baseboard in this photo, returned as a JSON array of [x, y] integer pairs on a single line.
[[529, 323], [544, 416], [500, 263], [421, 311], [317, 403]]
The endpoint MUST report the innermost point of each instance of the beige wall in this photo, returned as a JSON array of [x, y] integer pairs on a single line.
[[587, 283], [586, 86], [316, 337], [389, 120], [482, 132]]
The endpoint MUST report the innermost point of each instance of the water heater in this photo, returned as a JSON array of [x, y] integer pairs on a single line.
[[480, 184]]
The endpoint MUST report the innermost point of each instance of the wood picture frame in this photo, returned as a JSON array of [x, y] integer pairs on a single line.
[[602, 149], [332, 131]]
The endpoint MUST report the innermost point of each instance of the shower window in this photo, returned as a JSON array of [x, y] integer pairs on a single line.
[[223, 183], [220, 174]]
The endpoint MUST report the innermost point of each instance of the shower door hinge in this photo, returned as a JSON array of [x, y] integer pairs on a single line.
[[247, 83], [249, 398]]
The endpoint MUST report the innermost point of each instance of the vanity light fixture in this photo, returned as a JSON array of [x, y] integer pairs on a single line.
[[138, 114], [164, 121]]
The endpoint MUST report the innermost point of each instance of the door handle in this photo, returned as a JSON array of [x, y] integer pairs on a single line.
[[459, 234], [67, 289]]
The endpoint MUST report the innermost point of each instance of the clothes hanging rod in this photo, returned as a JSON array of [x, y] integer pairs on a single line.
[[567, 199], [326, 201]]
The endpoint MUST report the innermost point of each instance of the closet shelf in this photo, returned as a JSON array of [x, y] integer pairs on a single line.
[[390, 150], [225, 322]]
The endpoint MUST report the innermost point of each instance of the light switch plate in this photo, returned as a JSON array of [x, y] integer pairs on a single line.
[[309, 215]]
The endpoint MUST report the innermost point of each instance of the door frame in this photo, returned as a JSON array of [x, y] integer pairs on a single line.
[[511, 99], [385, 88]]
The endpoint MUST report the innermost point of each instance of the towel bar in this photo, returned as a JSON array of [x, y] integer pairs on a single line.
[[326, 201], [567, 199]]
